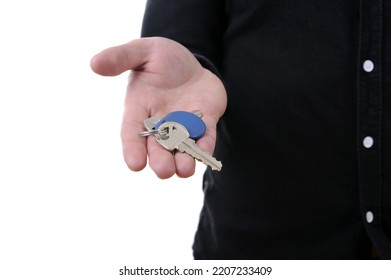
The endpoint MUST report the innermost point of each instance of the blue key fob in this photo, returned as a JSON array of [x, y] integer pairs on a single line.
[[193, 123]]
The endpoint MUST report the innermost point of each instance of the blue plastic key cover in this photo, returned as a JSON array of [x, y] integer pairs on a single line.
[[193, 123]]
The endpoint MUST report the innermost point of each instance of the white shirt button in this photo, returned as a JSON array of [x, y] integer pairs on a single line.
[[368, 66], [369, 217], [368, 142]]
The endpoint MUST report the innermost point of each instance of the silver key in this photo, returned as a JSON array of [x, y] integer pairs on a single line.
[[149, 124], [177, 137]]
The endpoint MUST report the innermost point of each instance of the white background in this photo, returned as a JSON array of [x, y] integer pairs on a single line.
[[69, 207]]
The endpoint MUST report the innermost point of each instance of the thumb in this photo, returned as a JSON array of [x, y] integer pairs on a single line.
[[116, 60]]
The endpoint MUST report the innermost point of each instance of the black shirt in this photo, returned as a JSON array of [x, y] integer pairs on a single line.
[[306, 139]]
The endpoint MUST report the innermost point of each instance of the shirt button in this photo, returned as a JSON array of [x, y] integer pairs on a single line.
[[368, 142], [369, 217], [368, 66]]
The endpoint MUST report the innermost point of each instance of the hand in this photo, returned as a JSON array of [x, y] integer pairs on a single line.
[[165, 77]]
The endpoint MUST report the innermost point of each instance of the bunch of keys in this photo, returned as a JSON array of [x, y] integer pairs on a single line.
[[179, 130]]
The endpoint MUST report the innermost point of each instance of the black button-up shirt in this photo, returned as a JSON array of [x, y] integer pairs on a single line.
[[306, 138]]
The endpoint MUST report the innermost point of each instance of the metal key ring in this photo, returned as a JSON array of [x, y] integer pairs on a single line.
[[152, 132]]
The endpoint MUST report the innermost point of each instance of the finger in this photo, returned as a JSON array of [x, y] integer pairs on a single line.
[[134, 147], [116, 60], [161, 160], [184, 165]]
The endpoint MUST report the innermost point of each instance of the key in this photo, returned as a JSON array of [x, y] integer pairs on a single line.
[[177, 137], [190, 120], [149, 124]]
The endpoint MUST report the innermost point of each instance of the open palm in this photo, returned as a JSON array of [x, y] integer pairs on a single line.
[[165, 77]]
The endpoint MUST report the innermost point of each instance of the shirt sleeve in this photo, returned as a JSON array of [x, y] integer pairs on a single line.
[[197, 24]]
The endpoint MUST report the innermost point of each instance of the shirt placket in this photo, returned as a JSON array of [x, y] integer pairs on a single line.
[[370, 93]]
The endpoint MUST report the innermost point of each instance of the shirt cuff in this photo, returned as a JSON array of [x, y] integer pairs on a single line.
[[206, 63]]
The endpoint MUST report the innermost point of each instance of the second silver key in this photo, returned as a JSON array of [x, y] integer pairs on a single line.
[[177, 137]]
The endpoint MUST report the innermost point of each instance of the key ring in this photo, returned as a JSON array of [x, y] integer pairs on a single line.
[[152, 132]]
